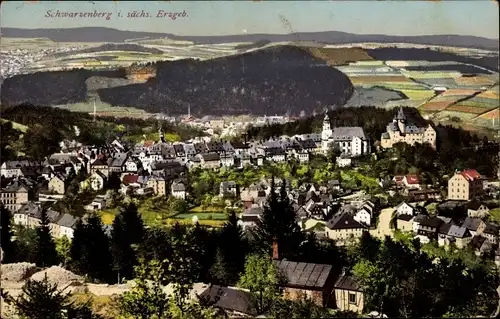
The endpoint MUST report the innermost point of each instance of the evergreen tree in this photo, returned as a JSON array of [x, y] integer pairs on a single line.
[[219, 272], [132, 223], [279, 222], [233, 247], [127, 234], [8, 246], [77, 247], [123, 255], [45, 247], [90, 251]]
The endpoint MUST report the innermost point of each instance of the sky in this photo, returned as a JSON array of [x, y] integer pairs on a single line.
[[464, 17]]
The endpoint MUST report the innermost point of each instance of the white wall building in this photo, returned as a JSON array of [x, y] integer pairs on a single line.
[[350, 140]]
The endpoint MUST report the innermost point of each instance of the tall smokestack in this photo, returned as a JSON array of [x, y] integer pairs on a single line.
[[276, 255]]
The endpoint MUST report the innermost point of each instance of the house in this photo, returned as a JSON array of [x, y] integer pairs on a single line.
[[116, 163], [344, 160], [10, 169], [228, 188], [343, 227], [98, 203], [131, 165], [178, 190], [99, 165], [227, 160], [477, 209], [57, 184], [158, 184], [236, 302], [364, 216], [474, 225], [458, 235], [465, 185], [249, 217], [405, 209], [334, 185], [410, 182], [490, 232], [416, 195], [429, 227], [312, 281], [348, 294], [21, 216], [95, 182], [209, 160], [404, 223], [168, 170], [15, 195], [67, 225], [480, 245]]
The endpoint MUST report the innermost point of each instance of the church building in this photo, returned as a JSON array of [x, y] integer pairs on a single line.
[[351, 141]]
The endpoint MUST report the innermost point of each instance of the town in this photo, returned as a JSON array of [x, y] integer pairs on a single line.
[[462, 215]]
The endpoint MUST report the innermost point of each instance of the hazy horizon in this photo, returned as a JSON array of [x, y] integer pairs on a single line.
[[212, 18]]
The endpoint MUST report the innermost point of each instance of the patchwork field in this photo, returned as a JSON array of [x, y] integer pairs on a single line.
[[338, 56]]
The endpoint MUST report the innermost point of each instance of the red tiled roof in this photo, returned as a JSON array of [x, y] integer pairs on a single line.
[[148, 143], [129, 179], [412, 179], [470, 174]]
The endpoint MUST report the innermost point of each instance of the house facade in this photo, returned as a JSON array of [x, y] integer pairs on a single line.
[[465, 185], [348, 294], [350, 140]]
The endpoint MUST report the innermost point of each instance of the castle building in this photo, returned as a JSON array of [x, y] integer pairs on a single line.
[[400, 130], [350, 140]]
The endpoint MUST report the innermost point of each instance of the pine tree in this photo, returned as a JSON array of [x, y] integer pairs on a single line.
[[219, 272], [279, 222], [45, 251], [77, 246], [233, 247], [90, 253], [123, 255], [96, 250], [8, 246], [132, 223]]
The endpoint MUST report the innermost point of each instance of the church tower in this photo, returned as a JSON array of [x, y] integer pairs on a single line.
[[162, 135], [326, 133]]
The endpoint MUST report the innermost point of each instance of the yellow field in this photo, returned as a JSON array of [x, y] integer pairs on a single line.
[[418, 94]]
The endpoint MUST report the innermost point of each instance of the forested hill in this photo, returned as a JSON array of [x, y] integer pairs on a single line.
[[276, 80], [271, 81]]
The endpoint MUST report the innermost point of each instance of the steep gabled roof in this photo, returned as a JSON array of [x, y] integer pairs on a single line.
[[304, 275]]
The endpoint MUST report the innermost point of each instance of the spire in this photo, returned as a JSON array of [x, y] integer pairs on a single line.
[[327, 118], [401, 115]]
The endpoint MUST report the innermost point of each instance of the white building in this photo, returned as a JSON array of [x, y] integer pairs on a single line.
[[350, 140]]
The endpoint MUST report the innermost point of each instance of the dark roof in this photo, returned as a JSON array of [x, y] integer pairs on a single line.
[[230, 299], [239, 145], [472, 223], [474, 205], [405, 217], [347, 283], [210, 157], [343, 221], [444, 228], [477, 242], [431, 222], [458, 232], [304, 275], [491, 229]]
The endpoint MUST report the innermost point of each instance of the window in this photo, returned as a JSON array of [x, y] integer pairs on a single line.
[[352, 298]]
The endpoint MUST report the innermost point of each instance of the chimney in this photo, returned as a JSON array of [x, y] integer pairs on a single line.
[[276, 255]]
